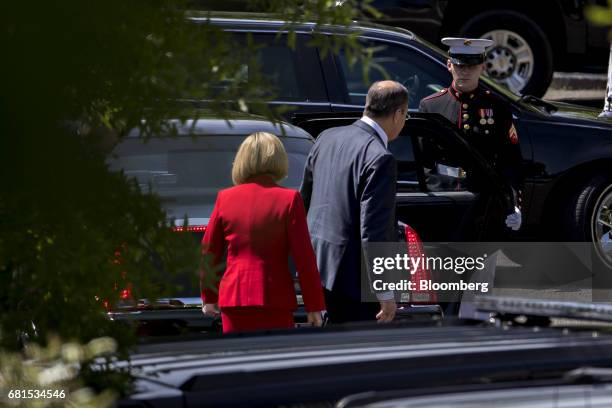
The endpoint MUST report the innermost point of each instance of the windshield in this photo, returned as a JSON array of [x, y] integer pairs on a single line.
[[188, 172]]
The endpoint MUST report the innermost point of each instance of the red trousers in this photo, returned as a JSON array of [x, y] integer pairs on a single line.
[[242, 319]]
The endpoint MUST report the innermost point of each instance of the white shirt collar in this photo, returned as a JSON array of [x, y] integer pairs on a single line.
[[378, 129]]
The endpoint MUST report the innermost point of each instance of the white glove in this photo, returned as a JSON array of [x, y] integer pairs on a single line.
[[514, 220]]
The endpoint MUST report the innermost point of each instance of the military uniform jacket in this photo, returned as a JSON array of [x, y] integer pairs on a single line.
[[486, 123]]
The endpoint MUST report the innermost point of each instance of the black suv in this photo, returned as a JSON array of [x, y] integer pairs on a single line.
[[532, 39], [567, 150]]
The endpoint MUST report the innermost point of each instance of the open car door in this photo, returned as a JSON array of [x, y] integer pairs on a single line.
[[441, 178]]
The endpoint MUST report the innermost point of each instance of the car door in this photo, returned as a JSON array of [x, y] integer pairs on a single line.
[[441, 181], [440, 177]]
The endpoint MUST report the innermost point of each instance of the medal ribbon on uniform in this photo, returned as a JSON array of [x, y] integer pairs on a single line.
[[482, 113]]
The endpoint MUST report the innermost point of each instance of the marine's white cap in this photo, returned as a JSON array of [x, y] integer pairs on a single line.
[[467, 51]]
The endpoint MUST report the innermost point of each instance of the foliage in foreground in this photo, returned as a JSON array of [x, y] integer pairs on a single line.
[[72, 233], [49, 376]]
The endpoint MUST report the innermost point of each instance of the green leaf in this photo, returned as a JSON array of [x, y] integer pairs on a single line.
[[599, 15]]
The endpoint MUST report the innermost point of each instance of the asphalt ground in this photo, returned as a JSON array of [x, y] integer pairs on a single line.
[[577, 87], [583, 89], [509, 282]]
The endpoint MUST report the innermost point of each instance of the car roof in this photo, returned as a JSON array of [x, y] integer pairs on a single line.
[[175, 363], [240, 125], [261, 21]]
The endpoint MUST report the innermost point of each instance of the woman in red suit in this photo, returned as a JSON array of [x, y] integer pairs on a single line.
[[260, 224]]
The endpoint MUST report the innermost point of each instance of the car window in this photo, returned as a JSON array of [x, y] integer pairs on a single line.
[[445, 166], [405, 65], [187, 173], [407, 177], [280, 65]]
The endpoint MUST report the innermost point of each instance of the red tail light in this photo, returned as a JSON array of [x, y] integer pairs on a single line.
[[415, 249], [190, 228], [126, 293]]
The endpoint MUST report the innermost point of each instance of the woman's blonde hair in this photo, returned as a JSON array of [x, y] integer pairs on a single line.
[[260, 153]]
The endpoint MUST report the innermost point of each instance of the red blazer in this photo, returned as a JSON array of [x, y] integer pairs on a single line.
[[260, 224]]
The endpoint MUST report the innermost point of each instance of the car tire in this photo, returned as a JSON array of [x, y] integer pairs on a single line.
[[584, 207], [521, 28]]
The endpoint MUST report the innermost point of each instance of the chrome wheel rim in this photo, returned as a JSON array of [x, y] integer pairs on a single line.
[[602, 225], [510, 61]]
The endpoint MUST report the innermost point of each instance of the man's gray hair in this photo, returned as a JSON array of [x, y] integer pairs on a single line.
[[384, 98]]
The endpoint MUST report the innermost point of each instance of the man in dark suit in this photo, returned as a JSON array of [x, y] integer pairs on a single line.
[[349, 194]]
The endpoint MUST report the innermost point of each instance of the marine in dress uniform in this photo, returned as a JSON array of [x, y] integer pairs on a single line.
[[484, 119]]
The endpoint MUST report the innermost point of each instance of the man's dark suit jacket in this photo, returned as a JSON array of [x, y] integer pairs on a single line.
[[349, 193]]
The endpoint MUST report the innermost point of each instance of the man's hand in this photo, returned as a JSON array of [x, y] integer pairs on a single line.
[[210, 309], [315, 319], [387, 311], [514, 220]]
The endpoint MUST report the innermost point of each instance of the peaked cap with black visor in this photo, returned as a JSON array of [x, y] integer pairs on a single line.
[[467, 51]]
